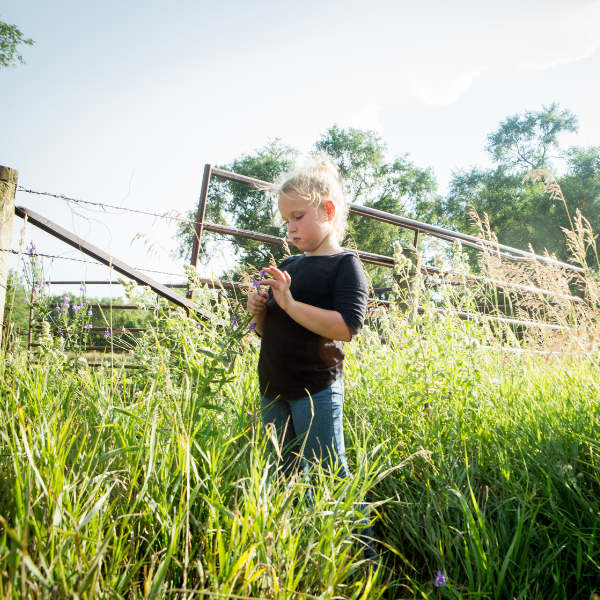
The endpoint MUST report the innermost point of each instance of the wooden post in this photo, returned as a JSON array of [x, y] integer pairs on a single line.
[[200, 221], [8, 188]]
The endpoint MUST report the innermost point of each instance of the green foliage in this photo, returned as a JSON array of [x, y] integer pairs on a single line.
[[244, 207], [521, 213], [524, 141], [398, 186], [10, 38], [474, 462]]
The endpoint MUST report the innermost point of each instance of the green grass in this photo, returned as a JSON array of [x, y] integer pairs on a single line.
[[476, 462]]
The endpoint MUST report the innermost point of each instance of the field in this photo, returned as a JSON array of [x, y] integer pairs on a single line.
[[476, 461]]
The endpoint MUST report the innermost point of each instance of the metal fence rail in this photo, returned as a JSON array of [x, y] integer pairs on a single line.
[[200, 225]]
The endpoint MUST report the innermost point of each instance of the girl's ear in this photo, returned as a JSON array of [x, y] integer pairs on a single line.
[[330, 209]]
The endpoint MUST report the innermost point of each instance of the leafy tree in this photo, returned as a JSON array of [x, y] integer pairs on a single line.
[[524, 141], [522, 213], [244, 207], [397, 186], [10, 38]]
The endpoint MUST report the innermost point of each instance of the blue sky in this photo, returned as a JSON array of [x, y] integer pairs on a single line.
[[125, 101]]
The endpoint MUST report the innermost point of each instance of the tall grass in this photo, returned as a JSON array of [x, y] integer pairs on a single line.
[[475, 462], [476, 459]]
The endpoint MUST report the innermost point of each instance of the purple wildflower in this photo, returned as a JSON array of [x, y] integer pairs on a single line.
[[48, 283], [252, 326], [262, 273], [75, 307], [440, 580], [123, 330], [235, 321], [106, 334], [89, 313], [255, 284], [88, 326]]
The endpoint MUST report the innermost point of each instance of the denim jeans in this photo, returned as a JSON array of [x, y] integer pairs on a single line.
[[310, 429]]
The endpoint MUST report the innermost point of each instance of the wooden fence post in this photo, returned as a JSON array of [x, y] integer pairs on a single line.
[[8, 188]]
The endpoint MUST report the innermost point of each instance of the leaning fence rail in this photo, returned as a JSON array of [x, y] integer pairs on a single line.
[[200, 225]]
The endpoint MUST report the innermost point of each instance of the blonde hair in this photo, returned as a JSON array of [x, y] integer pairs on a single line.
[[317, 181]]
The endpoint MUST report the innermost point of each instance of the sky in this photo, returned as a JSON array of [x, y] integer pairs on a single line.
[[123, 102]]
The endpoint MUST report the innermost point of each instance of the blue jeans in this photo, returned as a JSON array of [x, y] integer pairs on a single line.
[[310, 429]]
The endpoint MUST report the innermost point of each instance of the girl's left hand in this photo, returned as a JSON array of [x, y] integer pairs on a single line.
[[280, 286]]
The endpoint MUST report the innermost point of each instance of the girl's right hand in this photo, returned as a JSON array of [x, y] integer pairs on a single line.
[[257, 302]]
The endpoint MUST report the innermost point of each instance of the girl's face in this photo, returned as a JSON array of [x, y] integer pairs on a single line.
[[309, 227]]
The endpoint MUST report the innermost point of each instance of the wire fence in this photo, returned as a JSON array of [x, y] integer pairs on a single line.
[[450, 278]]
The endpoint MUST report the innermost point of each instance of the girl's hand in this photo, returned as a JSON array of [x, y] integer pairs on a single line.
[[257, 302], [280, 286]]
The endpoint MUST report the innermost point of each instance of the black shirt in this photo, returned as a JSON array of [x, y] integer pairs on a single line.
[[294, 360]]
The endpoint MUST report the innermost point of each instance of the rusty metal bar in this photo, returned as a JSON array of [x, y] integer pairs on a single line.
[[169, 285], [414, 225], [90, 250], [199, 222], [200, 215], [94, 348], [368, 257], [114, 366], [112, 306], [100, 329]]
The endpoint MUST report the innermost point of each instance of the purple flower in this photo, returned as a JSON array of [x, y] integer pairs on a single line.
[[106, 334], [235, 322], [82, 288], [89, 313], [440, 580], [88, 326], [262, 273], [123, 330], [252, 326], [48, 283], [75, 307], [255, 284]]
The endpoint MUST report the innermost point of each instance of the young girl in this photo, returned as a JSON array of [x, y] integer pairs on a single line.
[[316, 301]]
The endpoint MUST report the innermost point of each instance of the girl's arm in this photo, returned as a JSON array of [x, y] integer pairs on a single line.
[[327, 323]]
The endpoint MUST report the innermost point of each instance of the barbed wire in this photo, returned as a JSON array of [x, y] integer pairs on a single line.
[[166, 215], [87, 262]]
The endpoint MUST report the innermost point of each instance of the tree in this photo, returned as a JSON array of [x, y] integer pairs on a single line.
[[397, 186], [522, 213], [245, 207], [524, 141], [10, 38]]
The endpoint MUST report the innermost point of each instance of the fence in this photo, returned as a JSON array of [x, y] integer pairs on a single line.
[[7, 176]]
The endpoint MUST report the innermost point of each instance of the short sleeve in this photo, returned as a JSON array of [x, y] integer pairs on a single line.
[[351, 292]]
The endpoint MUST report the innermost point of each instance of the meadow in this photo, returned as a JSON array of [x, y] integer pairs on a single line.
[[475, 452]]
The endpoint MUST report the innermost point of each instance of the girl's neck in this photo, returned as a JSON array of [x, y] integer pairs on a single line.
[[326, 247]]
